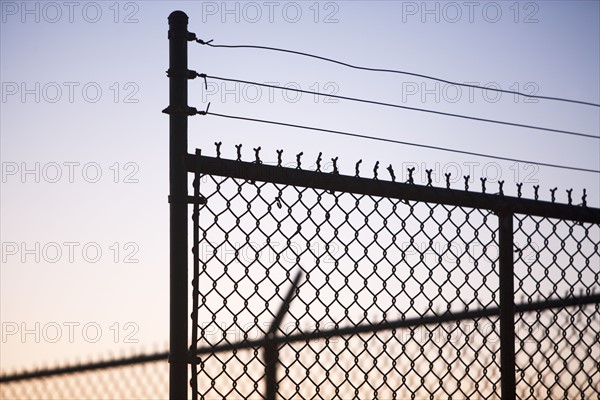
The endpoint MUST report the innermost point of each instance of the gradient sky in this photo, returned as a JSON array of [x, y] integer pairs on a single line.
[[121, 48]]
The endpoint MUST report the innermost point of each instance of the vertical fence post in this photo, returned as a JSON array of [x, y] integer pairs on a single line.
[[507, 305], [178, 208], [271, 350]]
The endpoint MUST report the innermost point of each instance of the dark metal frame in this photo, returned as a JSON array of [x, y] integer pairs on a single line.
[[181, 163], [504, 207], [178, 205]]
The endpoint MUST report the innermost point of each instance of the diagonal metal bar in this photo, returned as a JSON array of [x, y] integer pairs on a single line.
[[285, 306], [271, 350]]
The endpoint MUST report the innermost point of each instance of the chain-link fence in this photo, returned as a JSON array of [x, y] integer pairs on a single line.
[[319, 285], [309, 284], [556, 260], [126, 378], [400, 290]]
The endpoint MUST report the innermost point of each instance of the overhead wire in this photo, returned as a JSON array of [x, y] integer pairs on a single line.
[[379, 103], [426, 146], [440, 148], [385, 70]]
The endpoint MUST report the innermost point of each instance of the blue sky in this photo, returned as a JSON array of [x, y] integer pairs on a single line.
[[83, 87]]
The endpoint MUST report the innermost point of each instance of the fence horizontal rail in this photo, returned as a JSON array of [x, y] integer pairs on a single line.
[[92, 366], [402, 323], [396, 190]]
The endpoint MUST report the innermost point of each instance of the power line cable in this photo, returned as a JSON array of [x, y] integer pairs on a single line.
[[379, 103], [426, 146], [562, 99]]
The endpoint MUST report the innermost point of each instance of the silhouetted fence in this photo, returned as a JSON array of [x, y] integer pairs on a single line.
[[126, 378], [317, 284], [406, 291]]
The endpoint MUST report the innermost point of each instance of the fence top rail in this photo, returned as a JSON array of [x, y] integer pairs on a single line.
[[497, 203]]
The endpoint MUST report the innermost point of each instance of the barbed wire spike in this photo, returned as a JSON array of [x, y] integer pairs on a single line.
[[218, 146], [569, 198], [204, 77], [391, 171], [429, 180], [535, 192], [279, 153], [375, 168], [205, 111], [552, 194], [335, 168], [483, 180], [356, 168], [466, 177], [319, 161], [501, 188], [256, 155], [298, 162], [238, 148], [583, 198], [448, 175], [410, 175], [519, 189], [200, 41]]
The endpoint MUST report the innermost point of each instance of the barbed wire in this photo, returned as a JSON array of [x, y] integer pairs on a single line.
[[379, 103], [418, 75], [363, 136]]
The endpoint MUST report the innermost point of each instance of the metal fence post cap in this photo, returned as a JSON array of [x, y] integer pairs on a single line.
[[178, 17]]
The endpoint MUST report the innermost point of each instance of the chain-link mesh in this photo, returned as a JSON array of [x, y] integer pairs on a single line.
[[148, 380], [366, 260], [558, 350], [370, 260]]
